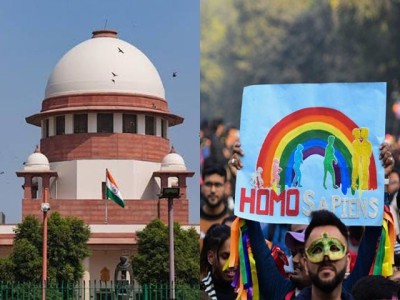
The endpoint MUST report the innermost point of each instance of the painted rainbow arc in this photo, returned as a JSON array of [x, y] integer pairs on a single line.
[[311, 127]]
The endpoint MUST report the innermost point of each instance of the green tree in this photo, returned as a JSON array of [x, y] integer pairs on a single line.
[[66, 244], [151, 263], [67, 247], [26, 261], [6, 268]]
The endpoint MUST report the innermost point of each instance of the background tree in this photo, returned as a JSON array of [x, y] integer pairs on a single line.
[[283, 41], [67, 247], [151, 263]]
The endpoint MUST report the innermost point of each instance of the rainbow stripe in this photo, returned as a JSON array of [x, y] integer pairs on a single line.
[[311, 128]]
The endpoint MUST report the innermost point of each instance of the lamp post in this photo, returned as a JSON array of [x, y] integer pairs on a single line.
[[45, 207], [173, 176], [37, 165], [170, 194]]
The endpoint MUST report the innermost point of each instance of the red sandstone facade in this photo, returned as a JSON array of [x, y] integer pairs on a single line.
[[93, 211], [104, 146]]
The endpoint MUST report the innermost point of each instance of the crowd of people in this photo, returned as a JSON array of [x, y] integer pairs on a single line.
[[327, 259]]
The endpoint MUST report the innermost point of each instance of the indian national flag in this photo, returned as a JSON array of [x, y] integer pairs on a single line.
[[112, 191]]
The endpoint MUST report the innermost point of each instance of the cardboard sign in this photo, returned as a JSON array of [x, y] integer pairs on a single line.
[[310, 147]]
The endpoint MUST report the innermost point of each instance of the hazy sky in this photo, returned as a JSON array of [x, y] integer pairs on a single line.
[[36, 34]]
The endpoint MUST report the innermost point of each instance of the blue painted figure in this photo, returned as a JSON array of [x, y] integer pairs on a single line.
[[298, 160]]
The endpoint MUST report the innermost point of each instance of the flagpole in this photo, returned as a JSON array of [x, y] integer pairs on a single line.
[[105, 197]]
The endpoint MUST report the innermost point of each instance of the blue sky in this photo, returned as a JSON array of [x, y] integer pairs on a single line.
[[36, 34]]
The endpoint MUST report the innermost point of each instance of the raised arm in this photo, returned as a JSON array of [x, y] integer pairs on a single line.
[[272, 284]]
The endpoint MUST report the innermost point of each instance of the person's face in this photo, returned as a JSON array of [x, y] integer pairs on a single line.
[[299, 276], [394, 183], [327, 247], [233, 136], [218, 260], [213, 190]]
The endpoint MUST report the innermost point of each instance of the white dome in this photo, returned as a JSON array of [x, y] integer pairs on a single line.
[[173, 161], [37, 162], [104, 64]]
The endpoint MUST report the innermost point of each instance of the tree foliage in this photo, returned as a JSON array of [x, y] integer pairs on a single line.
[[283, 41], [66, 249], [151, 263]]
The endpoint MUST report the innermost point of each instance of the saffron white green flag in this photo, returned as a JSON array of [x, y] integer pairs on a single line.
[[112, 191]]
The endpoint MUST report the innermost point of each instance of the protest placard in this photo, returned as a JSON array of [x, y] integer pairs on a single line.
[[309, 147]]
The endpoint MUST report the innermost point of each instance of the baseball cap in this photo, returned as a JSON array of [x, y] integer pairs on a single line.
[[294, 239]]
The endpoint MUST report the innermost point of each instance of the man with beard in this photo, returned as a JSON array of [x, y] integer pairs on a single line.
[[277, 287], [273, 286], [326, 257], [214, 208]]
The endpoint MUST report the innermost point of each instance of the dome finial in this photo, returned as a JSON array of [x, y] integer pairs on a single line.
[[172, 149], [37, 149]]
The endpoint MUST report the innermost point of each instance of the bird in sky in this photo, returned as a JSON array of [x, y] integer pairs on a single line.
[[113, 80], [114, 74], [174, 74], [120, 50]]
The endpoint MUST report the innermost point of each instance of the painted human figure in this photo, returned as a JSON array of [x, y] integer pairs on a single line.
[[256, 178], [362, 151], [365, 155], [329, 159], [356, 157], [276, 169], [298, 160]]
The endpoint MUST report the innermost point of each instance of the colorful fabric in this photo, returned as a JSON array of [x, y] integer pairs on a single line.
[[241, 257], [384, 258]]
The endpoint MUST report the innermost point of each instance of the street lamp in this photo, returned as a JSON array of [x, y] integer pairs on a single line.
[[171, 193], [37, 165], [173, 176]]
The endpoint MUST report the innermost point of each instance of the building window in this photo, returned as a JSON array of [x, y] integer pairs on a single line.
[[129, 123], [150, 126], [81, 123], [60, 125], [164, 128], [46, 128], [105, 123]]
